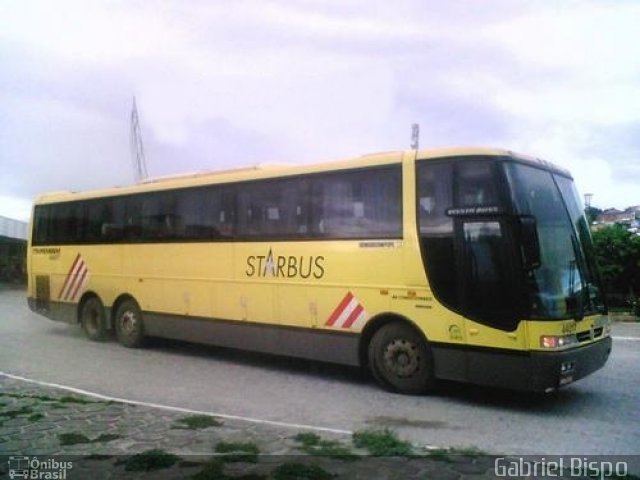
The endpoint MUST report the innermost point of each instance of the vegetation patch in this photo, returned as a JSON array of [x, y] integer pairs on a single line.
[[150, 460], [106, 437], [196, 422], [36, 417], [312, 444], [213, 470], [45, 398], [17, 412], [74, 438], [97, 456], [300, 471], [439, 454], [238, 452], [382, 443], [70, 399]]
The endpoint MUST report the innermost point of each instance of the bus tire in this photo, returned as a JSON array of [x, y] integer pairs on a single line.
[[129, 324], [400, 359], [93, 319]]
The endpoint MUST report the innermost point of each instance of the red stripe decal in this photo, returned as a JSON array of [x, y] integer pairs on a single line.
[[84, 274], [353, 316], [66, 280], [338, 311], [74, 278]]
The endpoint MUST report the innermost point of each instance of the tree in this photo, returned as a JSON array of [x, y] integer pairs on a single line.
[[592, 214], [618, 255]]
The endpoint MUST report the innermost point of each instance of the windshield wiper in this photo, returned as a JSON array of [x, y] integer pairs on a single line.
[[578, 300], [575, 301]]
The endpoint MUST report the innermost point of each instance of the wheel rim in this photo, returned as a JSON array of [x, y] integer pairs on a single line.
[[91, 316], [128, 322], [402, 358]]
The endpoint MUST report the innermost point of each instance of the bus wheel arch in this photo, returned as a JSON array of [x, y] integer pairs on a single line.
[[398, 354], [92, 317], [128, 321]]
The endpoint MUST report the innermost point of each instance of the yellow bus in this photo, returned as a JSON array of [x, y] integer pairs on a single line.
[[471, 265]]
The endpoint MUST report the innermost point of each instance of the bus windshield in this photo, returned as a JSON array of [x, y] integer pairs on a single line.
[[565, 284]]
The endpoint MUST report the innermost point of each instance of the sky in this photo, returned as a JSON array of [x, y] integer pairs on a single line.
[[223, 84]]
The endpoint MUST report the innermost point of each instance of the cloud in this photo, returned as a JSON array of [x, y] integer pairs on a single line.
[[250, 81]]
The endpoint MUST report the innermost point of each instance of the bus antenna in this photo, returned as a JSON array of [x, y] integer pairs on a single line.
[[137, 148]]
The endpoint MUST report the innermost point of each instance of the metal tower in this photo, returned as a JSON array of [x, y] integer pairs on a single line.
[[137, 148]]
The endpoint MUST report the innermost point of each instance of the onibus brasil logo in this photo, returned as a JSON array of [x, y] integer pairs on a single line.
[[36, 469]]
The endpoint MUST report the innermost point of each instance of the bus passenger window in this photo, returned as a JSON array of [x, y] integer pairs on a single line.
[[360, 204]]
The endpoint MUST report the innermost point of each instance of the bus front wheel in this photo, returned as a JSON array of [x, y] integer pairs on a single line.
[[92, 319], [129, 325], [400, 359]]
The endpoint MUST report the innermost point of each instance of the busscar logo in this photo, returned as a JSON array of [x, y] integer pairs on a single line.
[[285, 266]]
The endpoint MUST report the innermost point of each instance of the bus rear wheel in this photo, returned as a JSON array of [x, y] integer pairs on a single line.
[[129, 324], [400, 359], [93, 320]]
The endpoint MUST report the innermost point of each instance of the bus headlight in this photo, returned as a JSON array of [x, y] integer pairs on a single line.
[[558, 341]]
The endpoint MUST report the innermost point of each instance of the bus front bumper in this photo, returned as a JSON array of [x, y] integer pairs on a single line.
[[551, 370], [517, 370]]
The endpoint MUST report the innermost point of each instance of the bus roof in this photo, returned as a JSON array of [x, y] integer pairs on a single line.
[[267, 170]]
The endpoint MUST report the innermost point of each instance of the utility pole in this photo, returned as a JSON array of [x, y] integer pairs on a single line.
[[415, 136], [137, 148], [587, 200], [591, 218]]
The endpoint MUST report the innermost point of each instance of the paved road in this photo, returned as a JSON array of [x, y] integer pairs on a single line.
[[598, 415]]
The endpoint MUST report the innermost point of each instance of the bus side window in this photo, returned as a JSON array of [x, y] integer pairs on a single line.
[[358, 204], [132, 229], [112, 219], [275, 209], [157, 219], [42, 215]]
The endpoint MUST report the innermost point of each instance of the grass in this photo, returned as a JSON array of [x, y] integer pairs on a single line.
[[312, 444], [17, 412], [150, 460], [70, 399], [98, 456], [444, 454], [382, 443], [106, 437], [75, 438], [299, 471], [196, 422], [213, 470], [47, 398], [238, 452], [36, 417], [53, 402]]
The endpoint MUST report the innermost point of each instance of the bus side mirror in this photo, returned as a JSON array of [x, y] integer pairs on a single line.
[[530, 244]]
